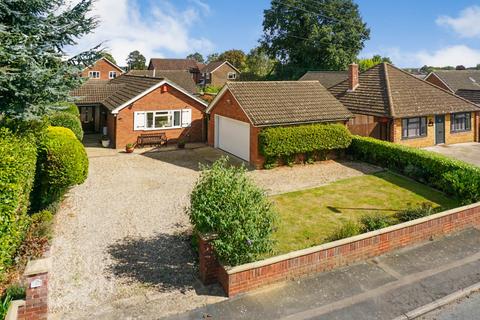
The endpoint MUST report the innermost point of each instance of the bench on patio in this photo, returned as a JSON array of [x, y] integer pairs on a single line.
[[155, 139]]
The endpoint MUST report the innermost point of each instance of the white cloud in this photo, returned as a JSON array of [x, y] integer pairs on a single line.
[[467, 24], [124, 28]]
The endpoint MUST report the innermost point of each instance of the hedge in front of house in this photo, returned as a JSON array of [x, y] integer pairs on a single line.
[[67, 107], [18, 157], [453, 177], [278, 142], [67, 120]]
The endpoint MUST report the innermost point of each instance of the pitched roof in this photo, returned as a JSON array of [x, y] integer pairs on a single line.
[[172, 64], [107, 61], [470, 95], [182, 78], [460, 79], [212, 66], [268, 103], [94, 91], [386, 90], [326, 78]]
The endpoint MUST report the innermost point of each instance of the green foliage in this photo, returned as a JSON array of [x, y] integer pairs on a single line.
[[62, 163], [14, 292], [348, 229], [226, 203], [197, 57], [235, 57], [367, 63], [136, 61], [109, 57], [303, 35], [212, 57], [33, 70], [285, 142], [41, 223], [425, 209], [65, 106], [375, 221], [453, 177], [67, 120], [17, 171], [212, 89], [258, 65]]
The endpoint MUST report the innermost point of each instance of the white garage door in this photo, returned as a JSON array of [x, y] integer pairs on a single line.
[[233, 136]]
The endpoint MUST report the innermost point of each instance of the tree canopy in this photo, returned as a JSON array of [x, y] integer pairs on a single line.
[[234, 56], [109, 57], [136, 61], [258, 65], [367, 63], [34, 71], [197, 57], [313, 35]]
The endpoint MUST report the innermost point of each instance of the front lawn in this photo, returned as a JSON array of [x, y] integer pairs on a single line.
[[308, 218]]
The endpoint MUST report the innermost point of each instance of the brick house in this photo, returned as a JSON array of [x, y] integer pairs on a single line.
[[242, 109], [127, 106], [188, 65], [464, 83], [102, 69], [393, 105], [218, 73]]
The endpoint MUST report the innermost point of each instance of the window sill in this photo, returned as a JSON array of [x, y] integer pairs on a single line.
[[158, 129], [460, 131]]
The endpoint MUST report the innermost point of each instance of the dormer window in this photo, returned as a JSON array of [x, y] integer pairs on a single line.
[[94, 74]]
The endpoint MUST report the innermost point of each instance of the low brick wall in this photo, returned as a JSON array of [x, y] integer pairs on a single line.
[[343, 252]]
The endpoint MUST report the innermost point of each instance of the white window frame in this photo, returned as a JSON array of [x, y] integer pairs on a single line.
[[112, 74], [232, 76], [185, 119], [207, 75], [91, 73], [464, 126]]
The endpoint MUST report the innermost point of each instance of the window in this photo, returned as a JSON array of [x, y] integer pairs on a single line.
[[112, 75], [232, 76], [461, 122], [414, 127], [94, 74], [166, 119]]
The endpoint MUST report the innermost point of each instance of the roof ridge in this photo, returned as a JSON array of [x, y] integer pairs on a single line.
[[276, 81], [388, 88]]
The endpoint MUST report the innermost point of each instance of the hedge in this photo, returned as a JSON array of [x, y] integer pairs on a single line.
[[17, 172], [62, 163], [67, 107], [453, 177], [67, 120]]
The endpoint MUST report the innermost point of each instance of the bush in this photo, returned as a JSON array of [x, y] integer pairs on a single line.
[[424, 210], [212, 89], [17, 171], [372, 222], [280, 142], [67, 120], [67, 107], [62, 163], [346, 230], [453, 177], [226, 203], [14, 292]]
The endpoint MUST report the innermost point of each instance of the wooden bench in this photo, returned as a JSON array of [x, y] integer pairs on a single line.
[[152, 139]]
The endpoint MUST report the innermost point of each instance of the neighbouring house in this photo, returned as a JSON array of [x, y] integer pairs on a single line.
[[327, 78], [464, 83], [127, 106], [218, 73], [102, 69], [242, 109], [189, 65], [391, 104], [180, 77]]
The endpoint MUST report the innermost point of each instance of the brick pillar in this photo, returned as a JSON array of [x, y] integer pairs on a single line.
[[208, 261], [36, 306]]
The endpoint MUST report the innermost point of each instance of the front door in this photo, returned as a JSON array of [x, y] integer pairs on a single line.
[[87, 117], [439, 129]]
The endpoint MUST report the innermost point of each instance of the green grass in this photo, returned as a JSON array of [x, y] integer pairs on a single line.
[[308, 217]]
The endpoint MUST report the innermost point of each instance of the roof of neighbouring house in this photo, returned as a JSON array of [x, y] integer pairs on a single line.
[[385, 90], [460, 79], [183, 78], [173, 64], [212, 66], [470, 95], [107, 61], [326, 78], [268, 103]]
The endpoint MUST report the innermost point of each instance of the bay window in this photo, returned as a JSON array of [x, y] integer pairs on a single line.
[[414, 127], [460, 122]]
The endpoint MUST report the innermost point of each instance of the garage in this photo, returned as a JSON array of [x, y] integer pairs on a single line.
[[233, 136]]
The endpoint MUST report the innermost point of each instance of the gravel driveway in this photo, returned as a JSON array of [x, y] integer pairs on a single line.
[[121, 247]]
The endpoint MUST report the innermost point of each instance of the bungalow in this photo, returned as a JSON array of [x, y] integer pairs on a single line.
[[464, 83], [391, 104], [127, 106], [102, 69], [218, 73], [242, 109]]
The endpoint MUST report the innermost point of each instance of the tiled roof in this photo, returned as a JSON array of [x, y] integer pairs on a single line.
[[173, 64], [385, 90], [94, 91], [326, 78], [211, 66], [183, 79], [470, 95], [287, 102], [460, 79]]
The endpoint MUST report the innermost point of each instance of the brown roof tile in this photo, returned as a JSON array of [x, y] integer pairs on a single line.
[[326, 78], [173, 64], [460, 79], [182, 78], [94, 91]]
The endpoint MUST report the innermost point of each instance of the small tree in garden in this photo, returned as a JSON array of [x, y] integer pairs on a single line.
[[225, 202]]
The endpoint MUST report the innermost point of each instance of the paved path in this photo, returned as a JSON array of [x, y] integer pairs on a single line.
[[468, 152], [467, 308], [383, 288]]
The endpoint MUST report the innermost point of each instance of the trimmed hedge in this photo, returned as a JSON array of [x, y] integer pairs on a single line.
[[62, 162], [453, 177], [67, 120], [67, 107], [18, 157], [286, 142]]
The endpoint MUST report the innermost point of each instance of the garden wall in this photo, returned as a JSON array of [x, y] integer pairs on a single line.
[[335, 254]]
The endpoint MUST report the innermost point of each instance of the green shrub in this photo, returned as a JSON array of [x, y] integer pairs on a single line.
[[62, 163], [453, 177], [226, 203], [67, 120], [17, 171], [424, 210], [348, 229], [67, 107], [375, 221], [13, 292], [212, 89], [41, 223], [281, 142]]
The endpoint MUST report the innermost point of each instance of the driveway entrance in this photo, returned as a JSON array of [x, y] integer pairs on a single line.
[[468, 152]]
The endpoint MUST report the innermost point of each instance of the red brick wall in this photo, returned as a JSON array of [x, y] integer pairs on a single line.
[[36, 304], [343, 252], [104, 67], [155, 101], [436, 81]]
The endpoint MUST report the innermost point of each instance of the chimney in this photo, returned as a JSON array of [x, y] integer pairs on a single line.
[[353, 77]]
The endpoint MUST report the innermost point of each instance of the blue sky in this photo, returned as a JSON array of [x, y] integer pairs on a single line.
[[411, 32]]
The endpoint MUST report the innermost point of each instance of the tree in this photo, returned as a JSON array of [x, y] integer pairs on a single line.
[[460, 67], [197, 57], [478, 66], [313, 35], [136, 61], [33, 70], [235, 57], [109, 57], [212, 57], [367, 63], [258, 65]]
